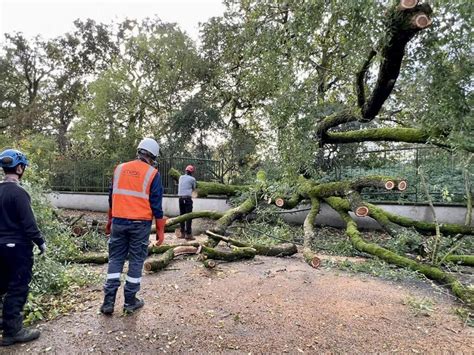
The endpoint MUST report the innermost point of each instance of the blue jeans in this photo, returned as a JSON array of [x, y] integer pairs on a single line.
[[127, 240]]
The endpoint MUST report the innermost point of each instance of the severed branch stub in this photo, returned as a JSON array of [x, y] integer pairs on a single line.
[[407, 4], [421, 21]]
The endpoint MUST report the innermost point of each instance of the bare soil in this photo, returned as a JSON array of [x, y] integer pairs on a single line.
[[266, 305]]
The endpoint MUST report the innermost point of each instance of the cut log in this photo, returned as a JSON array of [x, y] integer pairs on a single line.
[[234, 255], [78, 230], [279, 202], [209, 263], [186, 250], [361, 211], [90, 258], [284, 249], [153, 265], [402, 185], [311, 258], [153, 249], [421, 21], [389, 185], [408, 4]]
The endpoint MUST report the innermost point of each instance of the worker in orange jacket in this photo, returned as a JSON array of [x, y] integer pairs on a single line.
[[135, 197]]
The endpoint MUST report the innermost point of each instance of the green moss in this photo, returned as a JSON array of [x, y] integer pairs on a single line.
[[235, 254], [409, 135], [467, 260], [231, 215], [451, 229], [434, 273], [204, 188]]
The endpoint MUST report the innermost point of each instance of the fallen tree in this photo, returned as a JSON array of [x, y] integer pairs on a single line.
[[403, 20]]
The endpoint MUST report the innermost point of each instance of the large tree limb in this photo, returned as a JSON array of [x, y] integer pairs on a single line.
[[285, 249], [402, 23], [308, 228], [204, 188], [401, 27], [360, 79], [434, 273], [233, 214], [391, 134], [153, 265], [424, 227]]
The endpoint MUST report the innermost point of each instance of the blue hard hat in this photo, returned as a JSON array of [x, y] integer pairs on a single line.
[[11, 157]]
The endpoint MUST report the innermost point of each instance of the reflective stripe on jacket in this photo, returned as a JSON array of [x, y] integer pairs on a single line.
[[131, 190]]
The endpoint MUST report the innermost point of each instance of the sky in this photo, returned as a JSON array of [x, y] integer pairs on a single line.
[[51, 18]]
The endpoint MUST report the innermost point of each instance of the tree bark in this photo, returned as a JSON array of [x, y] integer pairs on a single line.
[[284, 249], [467, 260], [154, 265], [204, 188], [434, 273], [236, 253], [308, 228]]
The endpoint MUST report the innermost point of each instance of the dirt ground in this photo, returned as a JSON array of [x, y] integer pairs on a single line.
[[266, 305]]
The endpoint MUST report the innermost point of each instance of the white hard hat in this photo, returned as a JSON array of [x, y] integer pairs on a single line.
[[150, 145]]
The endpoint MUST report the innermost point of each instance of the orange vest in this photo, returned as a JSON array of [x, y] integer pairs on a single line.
[[131, 190]]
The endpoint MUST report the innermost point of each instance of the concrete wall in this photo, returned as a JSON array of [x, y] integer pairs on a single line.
[[99, 202], [327, 216]]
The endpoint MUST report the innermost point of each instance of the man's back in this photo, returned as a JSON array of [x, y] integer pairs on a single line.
[[17, 222], [186, 185]]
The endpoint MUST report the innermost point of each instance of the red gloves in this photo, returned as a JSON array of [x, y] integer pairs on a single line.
[[108, 227], [160, 230]]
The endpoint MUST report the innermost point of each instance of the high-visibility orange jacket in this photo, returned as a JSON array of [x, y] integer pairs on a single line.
[[131, 190]]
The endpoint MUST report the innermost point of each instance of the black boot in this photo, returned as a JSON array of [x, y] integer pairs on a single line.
[[132, 305], [107, 307], [23, 336], [1, 312]]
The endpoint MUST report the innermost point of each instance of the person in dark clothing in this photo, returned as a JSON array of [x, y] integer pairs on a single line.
[[186, 186], [18, 232]]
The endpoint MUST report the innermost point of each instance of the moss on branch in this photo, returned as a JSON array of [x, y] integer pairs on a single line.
[[391, 134], [445, 228], [284, 249], [204, 188], [233, 214], [467, 260], [434, 273]]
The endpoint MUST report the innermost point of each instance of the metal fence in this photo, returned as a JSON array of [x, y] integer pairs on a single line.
[[95, 176], [442, 170]]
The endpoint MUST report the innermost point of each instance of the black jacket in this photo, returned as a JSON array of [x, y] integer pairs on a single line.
[[17, 221]]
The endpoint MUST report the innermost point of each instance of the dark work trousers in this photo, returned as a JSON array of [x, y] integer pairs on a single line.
[[186, 206], [127, 240], [16, 264]]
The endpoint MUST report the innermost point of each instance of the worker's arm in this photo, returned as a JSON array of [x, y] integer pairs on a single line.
[[156, 196], [27, 218]]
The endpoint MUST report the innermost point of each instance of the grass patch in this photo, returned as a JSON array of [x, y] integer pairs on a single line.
[[466, 316], [375, 267], [420, 306]]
